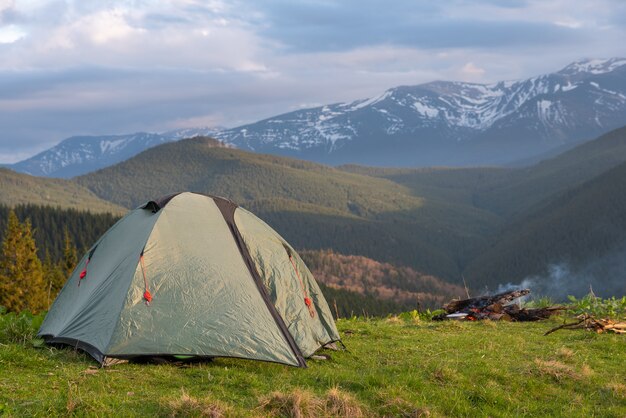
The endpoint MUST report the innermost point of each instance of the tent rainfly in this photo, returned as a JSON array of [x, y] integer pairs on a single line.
[[191, 275]]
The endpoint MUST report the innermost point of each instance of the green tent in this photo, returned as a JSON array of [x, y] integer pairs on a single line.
[[191, 275]]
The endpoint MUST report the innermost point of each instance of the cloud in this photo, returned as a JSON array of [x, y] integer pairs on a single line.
[[470, 71], [10, 34], [572, 24], [323, 26], [75, 67]]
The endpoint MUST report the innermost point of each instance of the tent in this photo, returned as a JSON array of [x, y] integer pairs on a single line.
[[191, 275]]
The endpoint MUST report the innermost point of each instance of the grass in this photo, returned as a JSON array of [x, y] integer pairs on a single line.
[[394, 367]]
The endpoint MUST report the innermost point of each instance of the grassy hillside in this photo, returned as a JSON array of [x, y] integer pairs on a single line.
[[24, 189], [394, 368], [312, 205], [579, 227]]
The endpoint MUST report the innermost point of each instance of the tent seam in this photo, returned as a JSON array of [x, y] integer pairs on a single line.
[[247, 259]]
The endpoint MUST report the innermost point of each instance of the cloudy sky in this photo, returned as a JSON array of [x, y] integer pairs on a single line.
[[86, 67]]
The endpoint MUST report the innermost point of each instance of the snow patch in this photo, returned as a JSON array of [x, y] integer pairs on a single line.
[[596, 66], [359, 104], [544, 105], [111, 146], [569, 86], [426, 110]]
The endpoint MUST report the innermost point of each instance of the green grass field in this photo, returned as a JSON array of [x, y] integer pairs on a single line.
[[394, 367]]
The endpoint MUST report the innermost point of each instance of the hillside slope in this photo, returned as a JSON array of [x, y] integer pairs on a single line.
[[517, 190], [383, 281], [449, 184], [562, 219], [312, 205], [507, 192], [24, 189], [575, 240]]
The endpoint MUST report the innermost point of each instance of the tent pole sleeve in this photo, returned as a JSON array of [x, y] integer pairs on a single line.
[[227, 208]]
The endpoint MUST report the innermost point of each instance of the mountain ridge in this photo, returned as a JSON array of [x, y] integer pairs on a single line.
[[82, 154], [435, 123], [450, 123]]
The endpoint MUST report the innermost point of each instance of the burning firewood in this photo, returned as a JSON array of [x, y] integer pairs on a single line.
[[482, 302], [590, 323], [500, 307]]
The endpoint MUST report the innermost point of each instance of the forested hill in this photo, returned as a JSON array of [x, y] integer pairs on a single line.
[[564, 215], [582, 230], [507, 192], [19, 188], [382, 281], [516, 191], [313, 206], [483, 222], [50, 224]]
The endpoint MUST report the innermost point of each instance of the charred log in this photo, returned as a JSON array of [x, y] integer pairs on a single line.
[[484, 301], [498, 307]]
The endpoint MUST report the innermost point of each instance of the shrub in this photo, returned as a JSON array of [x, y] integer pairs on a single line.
[[19, 328], [598, 307]]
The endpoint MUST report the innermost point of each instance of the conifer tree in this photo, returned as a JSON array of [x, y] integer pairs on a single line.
[[68, 263], [54, 277], [22, 284]]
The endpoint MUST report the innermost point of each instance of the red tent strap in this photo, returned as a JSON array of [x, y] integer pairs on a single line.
[[307, 301], [83, 273], [146, 294]]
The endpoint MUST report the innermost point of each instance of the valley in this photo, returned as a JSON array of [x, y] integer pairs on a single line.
[[487, 225]]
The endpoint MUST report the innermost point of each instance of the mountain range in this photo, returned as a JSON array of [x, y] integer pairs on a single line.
[[451, 123], [438, 123], [83, 154]]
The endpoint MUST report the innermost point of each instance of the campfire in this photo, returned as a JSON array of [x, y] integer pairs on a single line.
[[500, 307]]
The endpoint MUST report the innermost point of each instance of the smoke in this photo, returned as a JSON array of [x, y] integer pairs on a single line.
[[557, 283], [605, 275]]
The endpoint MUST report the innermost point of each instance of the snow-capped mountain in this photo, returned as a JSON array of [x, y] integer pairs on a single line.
[[437, 123], [82, 154], [452, 123]]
